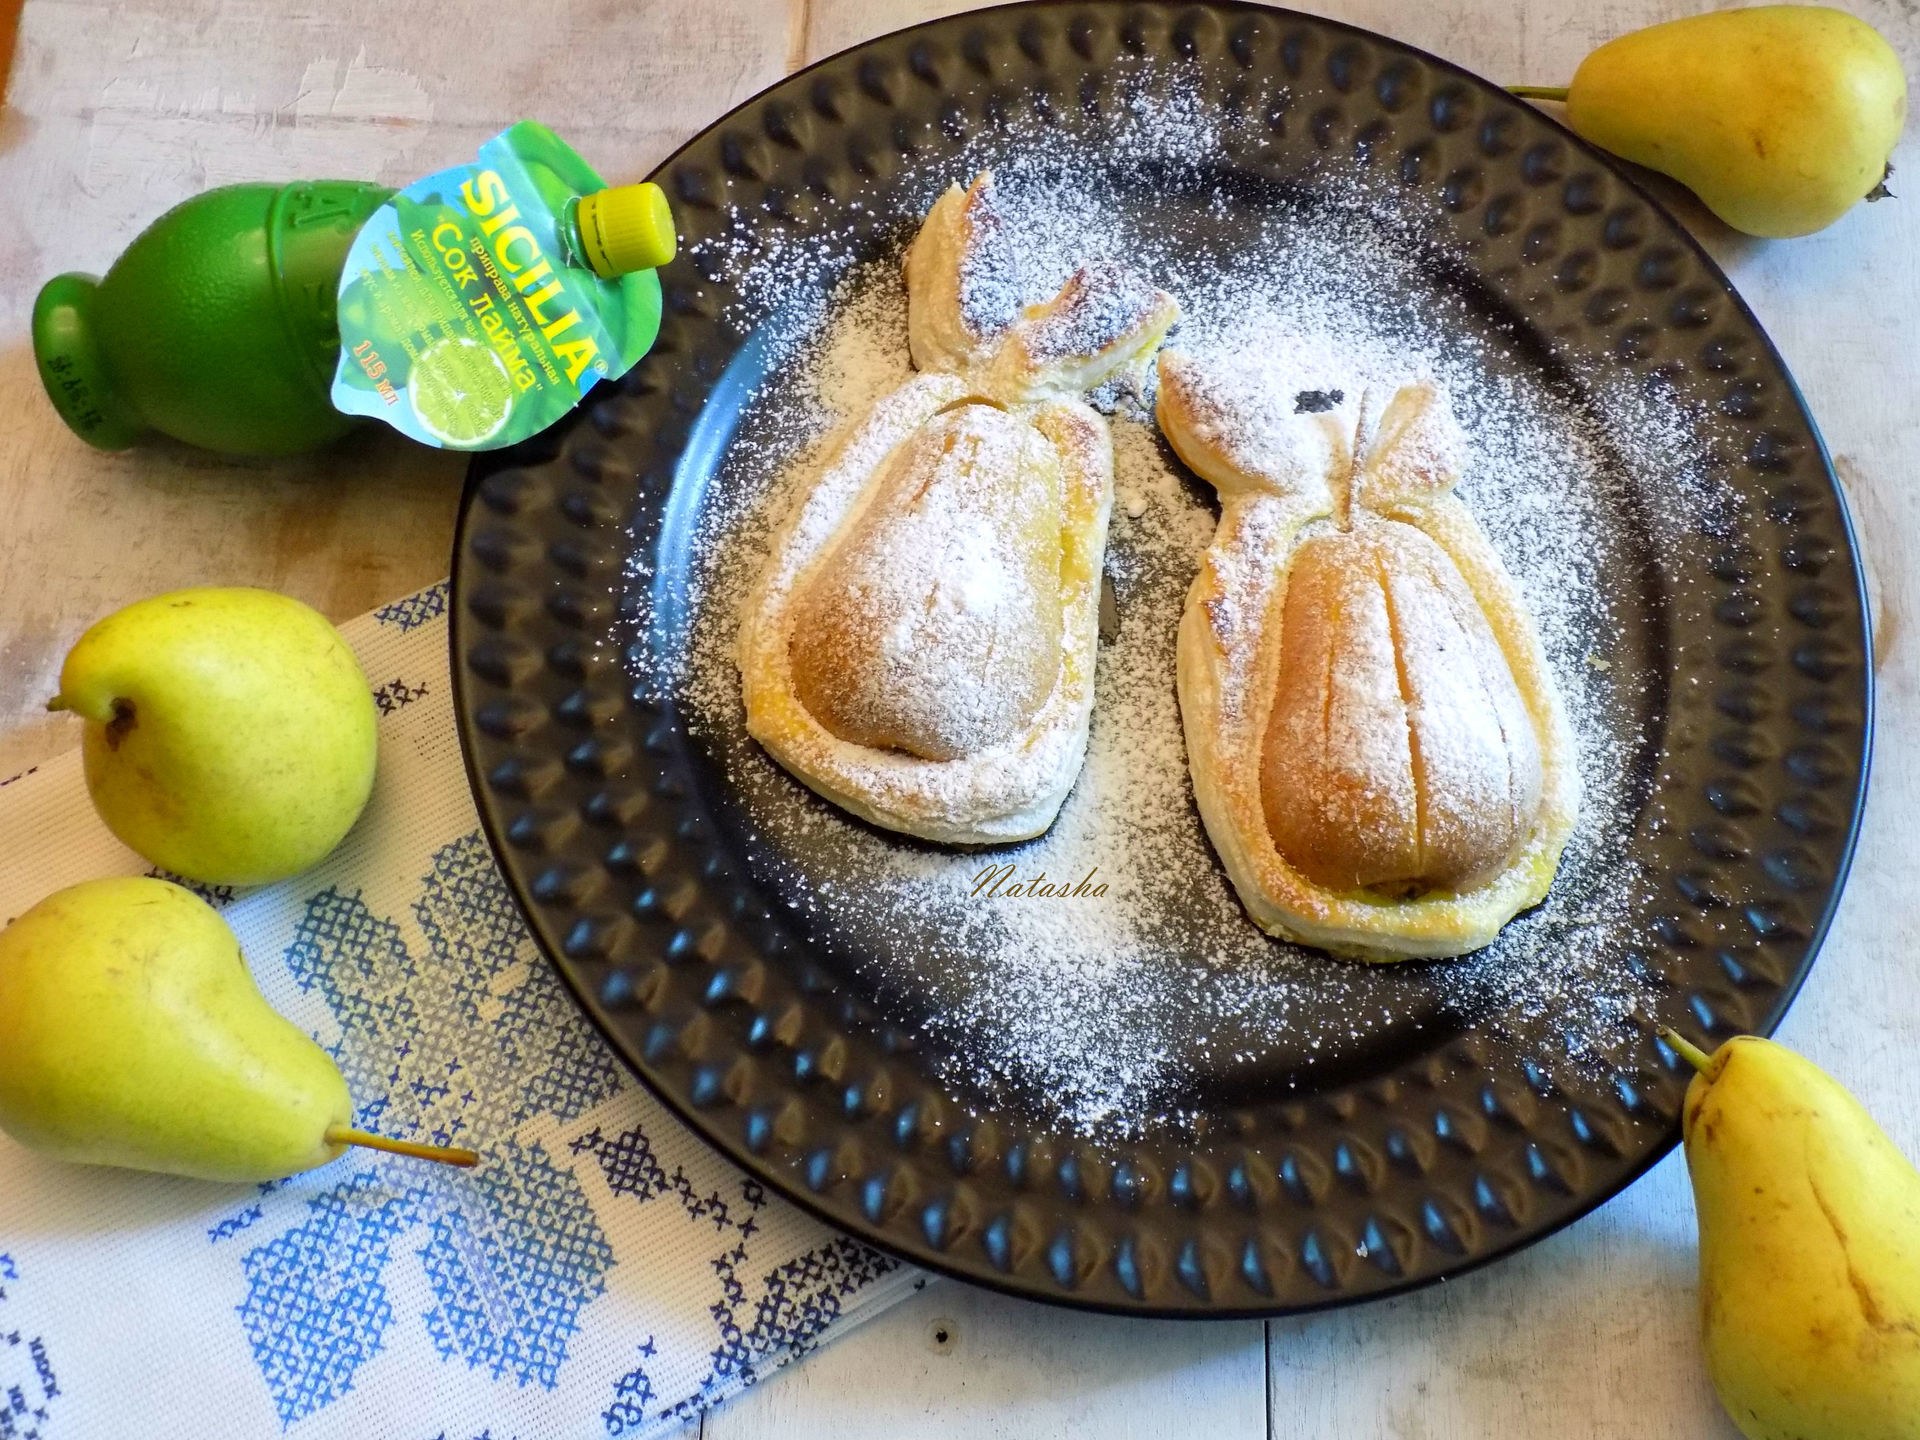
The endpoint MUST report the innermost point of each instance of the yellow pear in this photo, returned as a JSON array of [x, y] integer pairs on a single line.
[[131, 1033], [230, 735], [1779, 117], [1809, 1250]]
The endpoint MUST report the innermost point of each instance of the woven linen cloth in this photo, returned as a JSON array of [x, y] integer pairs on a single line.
[[601, 1272]]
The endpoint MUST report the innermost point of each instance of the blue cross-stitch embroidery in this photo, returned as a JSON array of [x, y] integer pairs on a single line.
[[797, 1302], [28, 1386], [235, 1223], [631, 1394], [628, 1164], [397, 695], [465, 1045], [316, 1307], [218, 896], [410, 612], [793, 1304], [627, 1161]]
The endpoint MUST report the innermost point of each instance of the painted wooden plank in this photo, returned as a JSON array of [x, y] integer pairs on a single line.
[[1590, 1333], [966, 1364]]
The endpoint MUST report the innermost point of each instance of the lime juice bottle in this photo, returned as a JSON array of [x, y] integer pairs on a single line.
[[469, 310], [216, 326]]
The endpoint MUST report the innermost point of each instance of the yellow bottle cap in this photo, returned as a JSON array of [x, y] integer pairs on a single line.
[[625, 228]]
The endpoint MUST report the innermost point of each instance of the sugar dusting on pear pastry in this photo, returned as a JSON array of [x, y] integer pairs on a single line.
[[1399, 755], [956, 561], [132, 1034], [1378, 748], [1084, 1004], [920, 648]]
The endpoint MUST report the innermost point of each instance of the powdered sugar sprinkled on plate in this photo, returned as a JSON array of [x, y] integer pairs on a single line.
[[1122, 1011]]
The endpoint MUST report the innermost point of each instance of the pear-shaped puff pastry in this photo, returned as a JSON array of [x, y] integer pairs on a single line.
[[920, 648], [1378, 749]]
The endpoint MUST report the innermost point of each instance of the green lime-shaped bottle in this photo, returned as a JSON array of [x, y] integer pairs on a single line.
[[217, 326]]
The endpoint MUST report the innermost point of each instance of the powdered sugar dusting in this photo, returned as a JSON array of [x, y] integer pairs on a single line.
[[991, 292], [1104, 300], [1126, 1010], [914, 632]]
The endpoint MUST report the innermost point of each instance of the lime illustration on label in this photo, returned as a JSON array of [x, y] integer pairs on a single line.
[[479, 304]]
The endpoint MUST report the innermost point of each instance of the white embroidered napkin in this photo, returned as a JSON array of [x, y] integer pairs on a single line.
[[600, 1272]]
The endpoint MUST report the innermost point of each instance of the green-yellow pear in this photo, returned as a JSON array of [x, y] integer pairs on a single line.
[[131, 1033], [1778, 117], [1809, 1250], [230, 733]]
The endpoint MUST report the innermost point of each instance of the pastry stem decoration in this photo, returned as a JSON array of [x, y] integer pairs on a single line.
[[1378, 749], [920, 648]]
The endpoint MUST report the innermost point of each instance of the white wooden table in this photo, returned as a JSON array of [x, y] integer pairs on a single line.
[[117, 111]]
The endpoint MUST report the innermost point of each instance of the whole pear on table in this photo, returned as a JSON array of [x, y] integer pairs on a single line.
[[132, 1033], [230, 733], [1809, 1250], [1779, 117]]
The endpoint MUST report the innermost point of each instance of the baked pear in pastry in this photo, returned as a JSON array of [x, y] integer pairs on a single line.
[[1377, 745], [920, 648], [934, 626]]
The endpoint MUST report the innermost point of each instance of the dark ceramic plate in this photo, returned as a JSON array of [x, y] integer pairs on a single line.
[[1402, 1162]]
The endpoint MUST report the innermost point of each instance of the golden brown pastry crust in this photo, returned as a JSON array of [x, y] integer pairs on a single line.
[[1398, 753], [963, 281], [932, 624], [1392, 725], [903, 654], [1105, 318], [1009, 791]]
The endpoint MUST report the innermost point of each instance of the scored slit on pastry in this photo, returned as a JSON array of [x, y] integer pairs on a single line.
[[920, 648], [1377, 746]]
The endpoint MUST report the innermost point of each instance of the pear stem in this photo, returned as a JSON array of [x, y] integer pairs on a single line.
[[59, 702], [1539, 92], [443, 1154], [1688, 1051]]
